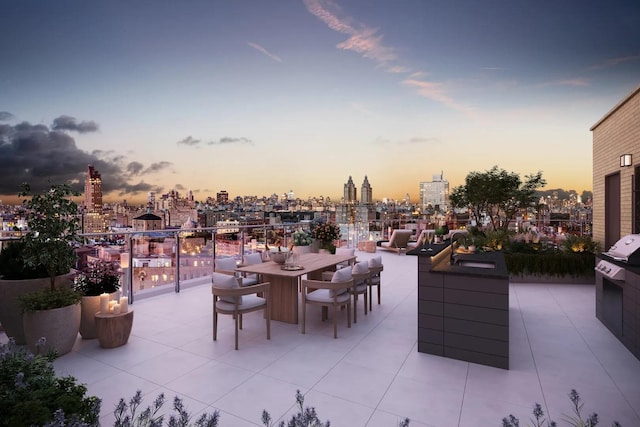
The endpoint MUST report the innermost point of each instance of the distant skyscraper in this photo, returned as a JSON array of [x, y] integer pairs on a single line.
[[222, 196], [435, 193], [366, 192], [350, 192], [93, 191]]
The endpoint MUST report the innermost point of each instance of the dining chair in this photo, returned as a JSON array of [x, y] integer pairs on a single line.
[[327, 294], [360, 274], [231, 298], [228, 266], [252, 259], [375, 268]]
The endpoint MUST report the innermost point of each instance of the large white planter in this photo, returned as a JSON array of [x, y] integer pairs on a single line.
[[58, 326], [89, 307], [10, 311]]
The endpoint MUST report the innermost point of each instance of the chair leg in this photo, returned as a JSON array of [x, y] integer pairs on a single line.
[[335, 321], [215, 324], [366, 293], [268, 322], [355, 308], [379, 293], [349, 314], [240, 316], [236, 323], [304, 312]]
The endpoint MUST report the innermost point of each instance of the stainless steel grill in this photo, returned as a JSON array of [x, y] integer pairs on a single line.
[[625, 250]]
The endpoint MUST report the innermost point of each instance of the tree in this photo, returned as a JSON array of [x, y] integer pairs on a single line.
[[498, 194]]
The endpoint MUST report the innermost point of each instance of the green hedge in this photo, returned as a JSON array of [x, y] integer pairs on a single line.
[[557, 264]]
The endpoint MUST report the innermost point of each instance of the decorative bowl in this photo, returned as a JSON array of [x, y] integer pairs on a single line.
[[278, 257]]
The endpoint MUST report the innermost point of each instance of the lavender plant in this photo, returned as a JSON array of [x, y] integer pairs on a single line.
[[574, 420]]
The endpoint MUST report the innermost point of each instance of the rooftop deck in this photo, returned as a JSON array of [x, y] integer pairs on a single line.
[[372, 375]]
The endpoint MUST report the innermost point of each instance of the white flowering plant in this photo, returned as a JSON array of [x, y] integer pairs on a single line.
[[302, 238]]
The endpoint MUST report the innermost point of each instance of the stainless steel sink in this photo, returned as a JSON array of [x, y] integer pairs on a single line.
[[475, 264]]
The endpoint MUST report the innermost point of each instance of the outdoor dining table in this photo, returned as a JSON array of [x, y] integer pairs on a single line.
[[284, 283]]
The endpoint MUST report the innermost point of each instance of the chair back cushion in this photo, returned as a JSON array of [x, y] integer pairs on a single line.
[[226, 264], [346, 251], [342, 275], [226, 281], [251, 259], [360, 268], [376, 261]]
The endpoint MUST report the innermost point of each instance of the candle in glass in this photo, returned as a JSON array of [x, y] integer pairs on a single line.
[[116, 308]]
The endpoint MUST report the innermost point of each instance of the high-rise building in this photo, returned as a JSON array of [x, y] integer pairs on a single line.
[[350, 192], [93, 219], [435, 193], [366, 192], [222, 196], [93, 191]]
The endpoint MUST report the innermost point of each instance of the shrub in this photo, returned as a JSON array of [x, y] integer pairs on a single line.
[[97, 278], [47, 299], [128, 415], [31, 394], [574, 420]]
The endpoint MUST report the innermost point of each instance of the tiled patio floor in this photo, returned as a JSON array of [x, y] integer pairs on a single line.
[[372, 375]]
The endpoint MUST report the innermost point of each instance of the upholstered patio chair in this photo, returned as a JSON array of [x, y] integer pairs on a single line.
[[228, 266], [231, 298], [327, 294], [361, 277], [398, 241], [375, 268]]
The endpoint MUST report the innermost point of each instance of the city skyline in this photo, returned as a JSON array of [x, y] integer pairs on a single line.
[[263, 97]]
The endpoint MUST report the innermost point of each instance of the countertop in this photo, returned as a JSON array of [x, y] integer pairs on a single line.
[[496, 258]]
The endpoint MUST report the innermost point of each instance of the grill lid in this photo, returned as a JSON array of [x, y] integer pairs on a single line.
[[626, 250]]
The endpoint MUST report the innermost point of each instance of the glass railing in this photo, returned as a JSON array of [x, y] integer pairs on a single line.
[[157, 261], [165, 260]]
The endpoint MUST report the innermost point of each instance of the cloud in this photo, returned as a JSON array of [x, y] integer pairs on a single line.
[[367, 42], [613, 62], [362, 39], [264, 51], [156, 167], [41, 156], [70, 123], [5, 116], [436, 91], [134, 168], [577, 82], [412, 140], [230, 140], [189, 141]]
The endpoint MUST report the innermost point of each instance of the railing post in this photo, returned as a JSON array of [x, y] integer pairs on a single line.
[[177, 286], [129, 272]]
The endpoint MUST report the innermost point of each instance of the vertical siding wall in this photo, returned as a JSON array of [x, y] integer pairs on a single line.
[[617, 133]]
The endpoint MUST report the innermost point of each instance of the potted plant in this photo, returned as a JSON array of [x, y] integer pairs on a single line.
[[302, 242], [53, 313], [99, 277], [326, 234]]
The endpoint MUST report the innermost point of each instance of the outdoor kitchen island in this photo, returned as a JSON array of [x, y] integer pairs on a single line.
[[463, 305]]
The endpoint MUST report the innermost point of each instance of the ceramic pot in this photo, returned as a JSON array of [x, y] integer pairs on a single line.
[[10, 311], [58, 326]]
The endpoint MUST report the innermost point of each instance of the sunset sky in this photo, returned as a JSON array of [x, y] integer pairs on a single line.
[[265, 96]]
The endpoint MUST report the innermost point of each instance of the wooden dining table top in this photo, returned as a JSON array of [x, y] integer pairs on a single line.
[[311, 262]]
